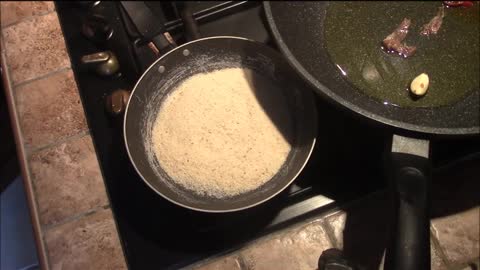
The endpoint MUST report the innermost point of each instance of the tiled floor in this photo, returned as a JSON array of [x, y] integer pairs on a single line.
[[361, 230], [70, 210]]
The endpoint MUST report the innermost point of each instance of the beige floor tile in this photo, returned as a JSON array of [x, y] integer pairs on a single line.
[[67, 180], [90, 242], [50, 109], [35, 48], [458, 235], [297, 248], [14, 11]]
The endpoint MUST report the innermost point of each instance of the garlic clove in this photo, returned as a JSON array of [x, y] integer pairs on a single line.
[[419, 85]]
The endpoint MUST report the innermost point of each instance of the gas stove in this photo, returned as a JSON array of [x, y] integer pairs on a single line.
[[346, 163]]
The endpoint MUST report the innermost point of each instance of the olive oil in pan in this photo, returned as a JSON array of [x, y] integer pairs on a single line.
[[354, 32]]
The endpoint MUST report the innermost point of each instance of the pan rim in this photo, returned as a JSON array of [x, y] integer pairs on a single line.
[[325, 91], [177, 202]]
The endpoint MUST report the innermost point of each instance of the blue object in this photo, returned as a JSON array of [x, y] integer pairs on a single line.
[[17, 245]]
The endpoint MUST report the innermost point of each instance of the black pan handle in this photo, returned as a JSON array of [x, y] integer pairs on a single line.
[[410, 168], [189, 23], [151, 28]]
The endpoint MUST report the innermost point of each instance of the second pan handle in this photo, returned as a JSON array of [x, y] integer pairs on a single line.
[[189, 23], [409, 247]]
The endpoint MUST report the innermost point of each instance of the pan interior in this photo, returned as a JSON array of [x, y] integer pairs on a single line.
[[353, 35], [200, 57]]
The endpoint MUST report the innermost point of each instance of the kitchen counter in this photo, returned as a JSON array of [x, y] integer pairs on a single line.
[[71, 215]]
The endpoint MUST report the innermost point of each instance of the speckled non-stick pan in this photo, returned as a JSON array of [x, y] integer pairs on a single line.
[[298, 28]]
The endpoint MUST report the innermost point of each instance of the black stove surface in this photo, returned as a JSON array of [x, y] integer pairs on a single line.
[[346, 163]]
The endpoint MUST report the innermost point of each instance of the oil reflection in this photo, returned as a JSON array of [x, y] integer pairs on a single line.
[[341, 70]]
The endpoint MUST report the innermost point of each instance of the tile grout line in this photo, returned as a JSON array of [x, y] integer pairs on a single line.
[[29, 18], [60, 141], [2, 43], [438, 248], [43, 76], [238, 252], [327, 227], [75, 217], [243, 262], [42, 251]]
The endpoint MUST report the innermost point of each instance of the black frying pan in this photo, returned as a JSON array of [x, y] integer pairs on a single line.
[[204, 55], [298, 29]]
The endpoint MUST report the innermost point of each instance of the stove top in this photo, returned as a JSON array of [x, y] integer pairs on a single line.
[[346, 163]]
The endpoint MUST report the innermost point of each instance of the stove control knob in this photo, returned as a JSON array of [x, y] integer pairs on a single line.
[[96, 28], [116, 102], [103, 63]]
